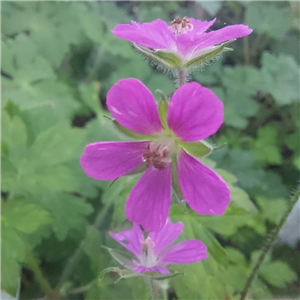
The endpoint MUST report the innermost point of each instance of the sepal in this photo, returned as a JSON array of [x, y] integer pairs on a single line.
[[125, 274], [172, 61], [163, 110], [124, 258], [205, 58], [131, 133], [197, 149], [167, 59]]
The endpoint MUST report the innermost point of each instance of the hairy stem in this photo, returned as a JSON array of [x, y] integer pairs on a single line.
[[181, 77], [274, 234], [155, 290], [76, 257], [40, 278]]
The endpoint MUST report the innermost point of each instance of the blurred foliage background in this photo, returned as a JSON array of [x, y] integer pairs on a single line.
[[59, 59]]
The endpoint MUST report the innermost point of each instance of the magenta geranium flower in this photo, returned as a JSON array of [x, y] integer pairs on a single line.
[[154, 253], [186, 38], [194, 113]]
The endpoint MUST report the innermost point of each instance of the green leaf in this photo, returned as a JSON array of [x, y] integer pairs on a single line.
[[12, 253], [60, 205], [92, 248], [265, 146], [14, 135], [277, 273], [90, 95], [272, 209], [194, 229], [268, 18], [229, 223], [131, 133], [56, 145], [198, 149], [7, 59], [238, 196], [24, 216], [236, 256], [281, 78]]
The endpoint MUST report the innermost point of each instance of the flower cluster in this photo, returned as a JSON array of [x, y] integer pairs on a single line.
[[170, 142]]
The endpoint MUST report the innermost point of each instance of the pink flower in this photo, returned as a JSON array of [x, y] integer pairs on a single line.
[[194, 113], [154, 253], [187, 38]]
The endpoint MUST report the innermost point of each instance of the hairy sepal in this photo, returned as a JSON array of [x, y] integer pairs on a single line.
[[197, 149], [131, 133]]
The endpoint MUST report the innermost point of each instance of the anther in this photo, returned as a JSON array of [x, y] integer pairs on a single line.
[[180, 26]]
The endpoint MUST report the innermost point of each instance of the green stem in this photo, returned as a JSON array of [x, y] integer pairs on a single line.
[[271, 240], [40, 278], [181, 77], [74, 260], [156, 293]]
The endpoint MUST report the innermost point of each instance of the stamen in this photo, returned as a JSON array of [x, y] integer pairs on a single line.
[[180, 26], [147, 244], [157, 156]]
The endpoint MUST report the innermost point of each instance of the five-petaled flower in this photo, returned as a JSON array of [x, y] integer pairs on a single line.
[[186, 38], [193, 114], [154, 253]]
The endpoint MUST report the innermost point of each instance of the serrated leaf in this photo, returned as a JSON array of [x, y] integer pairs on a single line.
[[14, 136], [277, 273], [12, 253], [281, 78], [60, 205], [24, 216], [56, 145], [229, 223], [265, 146], [268, 18]]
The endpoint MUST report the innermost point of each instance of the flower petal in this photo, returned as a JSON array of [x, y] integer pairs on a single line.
[[185, 42], [110, 160], [216, 37], [167, 235], [149, 201], [203, 189], [133, 106], [130, 239], [160, 269], [184, 253], [194, 112], [154, 35]]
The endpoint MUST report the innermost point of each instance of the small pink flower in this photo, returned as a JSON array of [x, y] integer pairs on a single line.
[[186, 37], [154, 253], [194, 113]]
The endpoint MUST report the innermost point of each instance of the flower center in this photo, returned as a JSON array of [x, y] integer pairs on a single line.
[[148, 258], [157, 155], [180, 26]]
